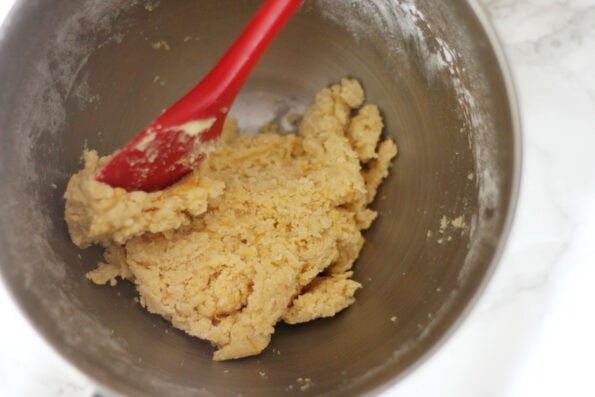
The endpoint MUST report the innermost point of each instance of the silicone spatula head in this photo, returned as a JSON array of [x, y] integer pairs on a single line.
[[181, 137]]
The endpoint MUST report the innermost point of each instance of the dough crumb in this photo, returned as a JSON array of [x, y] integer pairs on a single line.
[[151, 5], [448, 226], [159, 44], [267, 228], [458, 223], [304, 383]]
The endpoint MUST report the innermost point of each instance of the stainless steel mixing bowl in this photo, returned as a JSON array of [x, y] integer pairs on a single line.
[[89, 73]]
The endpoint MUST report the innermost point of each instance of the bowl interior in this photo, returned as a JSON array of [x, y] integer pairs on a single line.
[[92, 74]]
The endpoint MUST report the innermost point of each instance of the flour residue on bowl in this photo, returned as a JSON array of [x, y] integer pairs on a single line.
[[440, 57], [404, 21], [40, 115]]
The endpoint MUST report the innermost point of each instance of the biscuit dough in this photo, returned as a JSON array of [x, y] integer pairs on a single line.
[[265, 230]]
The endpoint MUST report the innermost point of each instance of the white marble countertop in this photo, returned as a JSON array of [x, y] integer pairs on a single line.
[[532, 332]]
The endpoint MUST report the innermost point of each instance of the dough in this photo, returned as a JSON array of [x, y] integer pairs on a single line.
[[265, 230]]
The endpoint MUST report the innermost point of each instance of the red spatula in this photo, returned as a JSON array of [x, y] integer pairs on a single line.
[[176, 142]]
